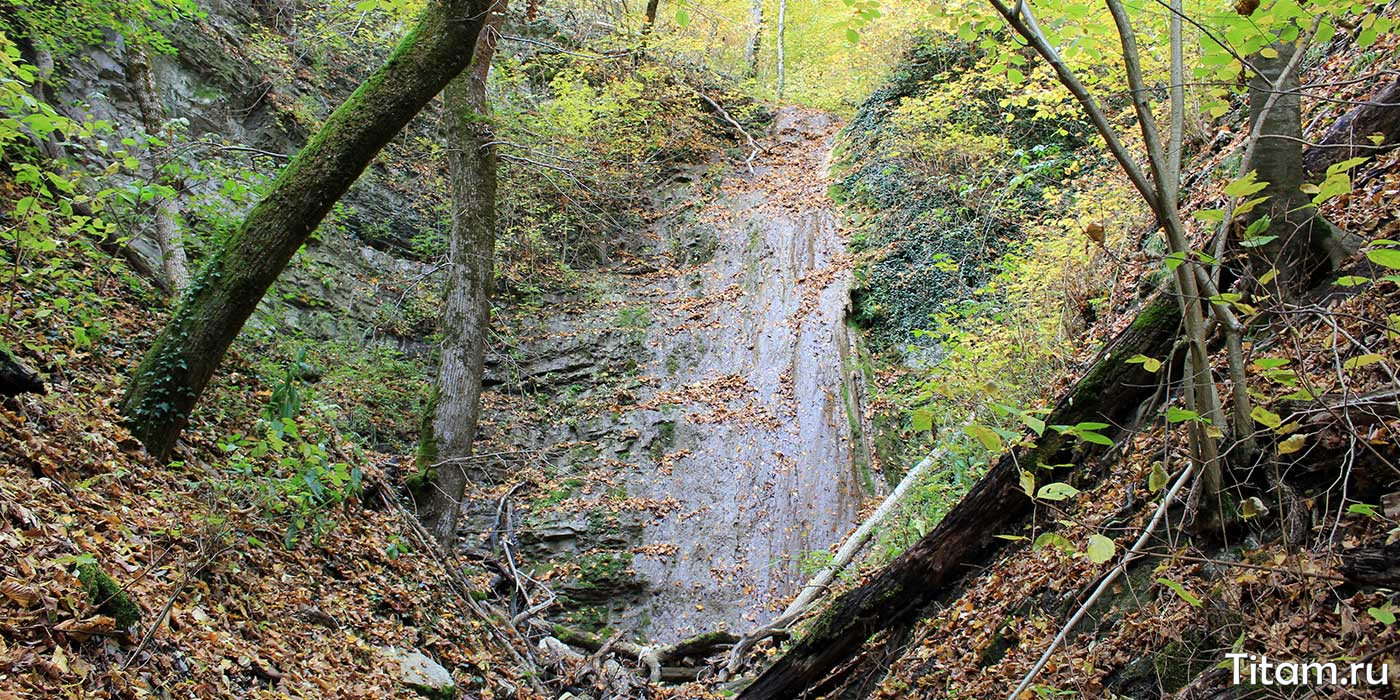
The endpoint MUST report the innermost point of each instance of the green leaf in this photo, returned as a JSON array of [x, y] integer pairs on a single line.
[[1011, 538], [922, 419], [1346, 165], [1265, 417], [1245, 186], [1157, 480], [1057, 491], [1178, 415], [1334, 185], [1365, 509], [984, 435], [1385, 257], [682, 17], [1270, 362], [1095, 438], [1035, 424], [1181, 591], [1302, 394], [1258, 226], [1148, 363], [1053, 539], [1015, 76], [1362, 361], [1028, 483], [1100, 548], [1292, 443], [852, 36], [1382, 615], [1174, 260], [1248, 205], [1351, 281]]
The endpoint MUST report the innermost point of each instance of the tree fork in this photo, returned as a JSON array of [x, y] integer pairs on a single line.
[[175, 371]]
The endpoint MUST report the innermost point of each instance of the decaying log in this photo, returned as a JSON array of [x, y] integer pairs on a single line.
[[1350, 136], [1375, 407], [18, 378], [1109, 392], [1375, 566], [653, 657]]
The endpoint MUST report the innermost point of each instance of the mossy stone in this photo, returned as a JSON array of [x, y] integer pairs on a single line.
[[109, 597]]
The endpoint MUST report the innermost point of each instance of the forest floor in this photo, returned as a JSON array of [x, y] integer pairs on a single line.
[[218, 588], [198, 595]]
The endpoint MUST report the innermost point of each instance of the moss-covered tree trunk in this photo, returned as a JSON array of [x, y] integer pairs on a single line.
[[450, 421], [1110, 392], [175, 371]]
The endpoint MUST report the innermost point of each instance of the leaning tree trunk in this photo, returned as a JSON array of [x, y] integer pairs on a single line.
[[166, 210], [1110, 392], [450, 420], [175, 371]]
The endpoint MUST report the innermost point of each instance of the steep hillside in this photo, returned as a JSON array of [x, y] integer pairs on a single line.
[[1041, 595], [913, 401]]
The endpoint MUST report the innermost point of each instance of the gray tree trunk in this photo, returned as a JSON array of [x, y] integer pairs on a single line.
[[178, 367], [451, 417], [1301, 249], [44, 67], [166, 210], [782, 29], [751, 49]]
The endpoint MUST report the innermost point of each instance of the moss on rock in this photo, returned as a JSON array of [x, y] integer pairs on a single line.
[[109, 597]]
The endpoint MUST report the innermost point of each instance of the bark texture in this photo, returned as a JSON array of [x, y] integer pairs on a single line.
[[178, 367], [450, 425], [166, 210], [751, 49], [17, 378], [1110, 392], [1349, 137], [1301, 249]]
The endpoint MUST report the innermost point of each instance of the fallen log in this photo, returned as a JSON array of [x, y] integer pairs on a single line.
[[1375, 566], [1349, 136], [818, 585], [1109, 392], [653, 657], [18, 378]]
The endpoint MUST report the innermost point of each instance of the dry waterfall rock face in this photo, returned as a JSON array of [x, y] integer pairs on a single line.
[[419, 672]]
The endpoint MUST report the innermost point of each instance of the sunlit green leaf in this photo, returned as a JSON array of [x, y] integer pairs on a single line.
[[1100, 548], [1057, 491]]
